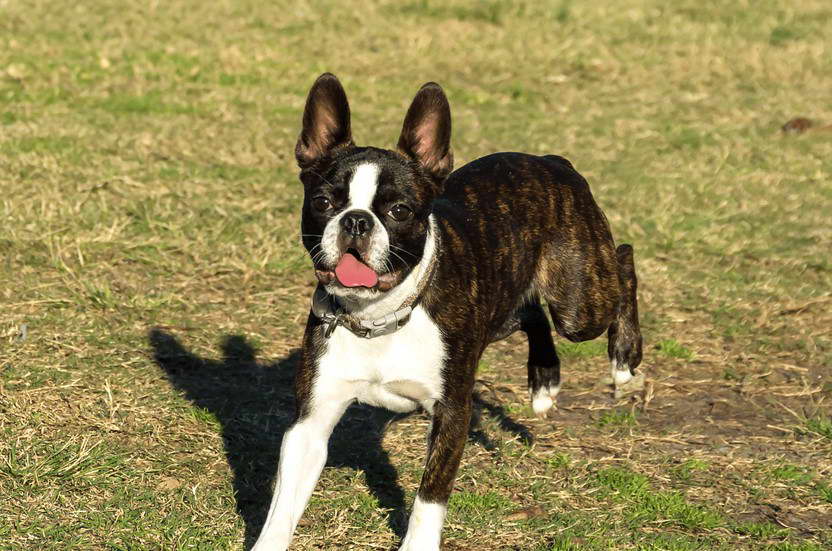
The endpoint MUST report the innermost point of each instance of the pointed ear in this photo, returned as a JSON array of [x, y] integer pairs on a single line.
[[426, 133], [326, 121]]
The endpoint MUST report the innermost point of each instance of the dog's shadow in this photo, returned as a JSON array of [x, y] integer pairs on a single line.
[[254, 404]]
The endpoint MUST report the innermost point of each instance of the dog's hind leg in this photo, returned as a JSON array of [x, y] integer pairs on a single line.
[[624, 344], [543, 364]]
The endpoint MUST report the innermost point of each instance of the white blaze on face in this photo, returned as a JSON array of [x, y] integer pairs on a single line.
[[362, 192], [363, 186]]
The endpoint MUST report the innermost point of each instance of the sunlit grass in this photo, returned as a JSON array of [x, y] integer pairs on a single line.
[[148, 180]]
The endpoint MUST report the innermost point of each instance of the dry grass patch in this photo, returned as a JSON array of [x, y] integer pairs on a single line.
[[148, 182]]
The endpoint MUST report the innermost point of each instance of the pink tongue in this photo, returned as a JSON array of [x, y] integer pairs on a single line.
[[351, 272]]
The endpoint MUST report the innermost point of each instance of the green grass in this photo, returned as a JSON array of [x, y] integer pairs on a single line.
[[478, 507], [72, 463], [672, 349], [687, 470], [791, 473], [760, 530], [587, 349], [617, 418], [821, 426], [788, 546], [646, 505], [148, 180], [560, 461]]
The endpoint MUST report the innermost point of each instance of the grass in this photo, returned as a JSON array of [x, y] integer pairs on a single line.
[[587, 349], [821, 426], [617, 418], [154, 288], [688, 469], [672, 349]]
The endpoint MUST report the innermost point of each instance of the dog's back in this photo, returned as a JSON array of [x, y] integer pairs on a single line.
[[538, 225], [535, 222]]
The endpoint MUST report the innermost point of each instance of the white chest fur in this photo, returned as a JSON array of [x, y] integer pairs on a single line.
[[399, 371]]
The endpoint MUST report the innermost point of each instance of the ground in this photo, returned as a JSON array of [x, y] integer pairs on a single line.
[[153, 287]]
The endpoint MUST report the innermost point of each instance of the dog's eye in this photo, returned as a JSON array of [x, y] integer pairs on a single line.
[[399, 213], [321, 204]]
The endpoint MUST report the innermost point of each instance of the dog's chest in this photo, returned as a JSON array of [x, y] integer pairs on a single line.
[[399, 371]]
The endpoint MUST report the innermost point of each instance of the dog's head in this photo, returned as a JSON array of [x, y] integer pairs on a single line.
[[365, 210]]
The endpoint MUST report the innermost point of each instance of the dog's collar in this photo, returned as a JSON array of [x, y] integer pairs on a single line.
[[326, 308]]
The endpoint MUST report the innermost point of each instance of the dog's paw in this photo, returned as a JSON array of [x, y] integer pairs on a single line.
[[620, 374], [623, 380], [424, 529], [634, 384], [544, 399], [271, 542]]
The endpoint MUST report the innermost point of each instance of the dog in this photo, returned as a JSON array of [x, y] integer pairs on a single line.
[[418, 270]]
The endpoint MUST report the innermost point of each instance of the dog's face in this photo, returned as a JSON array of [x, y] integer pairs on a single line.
[[365, 210], [365, 220]]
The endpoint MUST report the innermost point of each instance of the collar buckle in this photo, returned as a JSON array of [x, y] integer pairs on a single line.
[[390, 323], [328, 311], [332, 323]]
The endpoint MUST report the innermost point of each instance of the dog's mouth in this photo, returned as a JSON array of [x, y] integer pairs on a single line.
[[352, 271]]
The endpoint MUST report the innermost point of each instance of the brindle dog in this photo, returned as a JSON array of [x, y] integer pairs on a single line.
[[419, 270]]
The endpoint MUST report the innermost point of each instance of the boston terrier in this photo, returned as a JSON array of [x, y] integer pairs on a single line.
[[418, 270]]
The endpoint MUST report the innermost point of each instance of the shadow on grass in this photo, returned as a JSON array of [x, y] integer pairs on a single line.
[[254, 404], [497, 413]]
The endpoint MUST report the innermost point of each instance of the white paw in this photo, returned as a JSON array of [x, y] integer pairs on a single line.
[[272, 542], [625, 382], [424, 531], [544, 399], [620, 374], [418, 546]]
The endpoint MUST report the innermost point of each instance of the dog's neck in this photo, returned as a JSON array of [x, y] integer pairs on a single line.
[[392, 300]]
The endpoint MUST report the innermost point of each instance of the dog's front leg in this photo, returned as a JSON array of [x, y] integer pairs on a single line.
[[449, 431], [302, 458]]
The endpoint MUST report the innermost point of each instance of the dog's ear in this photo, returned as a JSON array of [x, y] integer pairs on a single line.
[[426, 133], [326, 121]]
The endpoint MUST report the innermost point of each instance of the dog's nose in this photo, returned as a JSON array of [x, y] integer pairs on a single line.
[[357, 222]]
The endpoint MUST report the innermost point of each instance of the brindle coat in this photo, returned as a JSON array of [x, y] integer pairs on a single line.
[[514, 229]]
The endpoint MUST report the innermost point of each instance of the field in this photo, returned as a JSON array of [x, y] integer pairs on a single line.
[[153, 287]]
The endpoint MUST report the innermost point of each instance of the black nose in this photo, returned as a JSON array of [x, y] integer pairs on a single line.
[[357, 222]]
